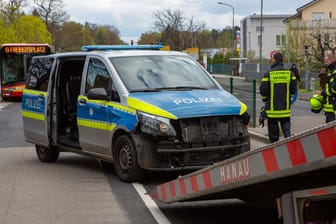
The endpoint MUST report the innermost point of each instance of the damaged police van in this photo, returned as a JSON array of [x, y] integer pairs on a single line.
[[139, 109]]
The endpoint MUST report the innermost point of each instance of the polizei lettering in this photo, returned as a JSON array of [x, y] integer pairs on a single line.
[[235, 171], [33, 104], [198, 100]]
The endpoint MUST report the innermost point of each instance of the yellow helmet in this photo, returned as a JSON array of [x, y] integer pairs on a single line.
[[316, 103]]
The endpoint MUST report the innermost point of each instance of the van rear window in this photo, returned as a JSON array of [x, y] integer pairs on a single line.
[[39, 73]]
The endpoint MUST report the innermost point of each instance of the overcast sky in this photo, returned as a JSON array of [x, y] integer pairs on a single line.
[[133, 17]]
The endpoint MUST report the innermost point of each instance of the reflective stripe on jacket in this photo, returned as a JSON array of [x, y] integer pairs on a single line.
[[276, 89], [329, 94]]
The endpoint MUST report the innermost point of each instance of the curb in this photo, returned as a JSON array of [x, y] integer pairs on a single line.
[[258, 136]]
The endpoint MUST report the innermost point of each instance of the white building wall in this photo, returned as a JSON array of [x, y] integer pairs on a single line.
[[273, 26]]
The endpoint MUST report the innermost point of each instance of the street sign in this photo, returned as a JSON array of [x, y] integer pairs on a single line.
[[272, 54]]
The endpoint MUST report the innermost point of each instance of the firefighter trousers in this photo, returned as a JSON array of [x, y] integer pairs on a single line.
[[273, 128]]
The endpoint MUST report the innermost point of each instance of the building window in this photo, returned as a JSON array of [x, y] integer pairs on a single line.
[[259, 40], [326, 37], [258, 29], [317, 16], [281, 40], [278, 40]]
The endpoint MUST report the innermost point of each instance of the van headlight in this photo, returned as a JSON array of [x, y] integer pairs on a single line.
[[154, 125]]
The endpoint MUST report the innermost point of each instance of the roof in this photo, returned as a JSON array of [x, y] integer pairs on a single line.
[[120, 47], [114, 53], [299, 11], [275, 16]]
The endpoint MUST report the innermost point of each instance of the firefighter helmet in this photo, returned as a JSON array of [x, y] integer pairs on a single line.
[[316, 103]]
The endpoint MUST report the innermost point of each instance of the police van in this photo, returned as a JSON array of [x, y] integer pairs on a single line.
[[134, 106]]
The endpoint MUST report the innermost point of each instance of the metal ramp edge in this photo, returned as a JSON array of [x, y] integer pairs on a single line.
[[307, 151]]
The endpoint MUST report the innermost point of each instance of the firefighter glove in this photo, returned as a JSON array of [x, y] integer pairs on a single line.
[[262, 116]]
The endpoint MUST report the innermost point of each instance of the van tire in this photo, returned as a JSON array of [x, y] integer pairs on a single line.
[[46, 154], [126, 160]]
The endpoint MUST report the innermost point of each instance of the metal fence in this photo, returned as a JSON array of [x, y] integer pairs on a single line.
[[243, 89], [246, 86], [255, 72]]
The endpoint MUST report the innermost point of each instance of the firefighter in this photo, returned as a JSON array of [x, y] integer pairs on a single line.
[[329, 96], [277, 88]]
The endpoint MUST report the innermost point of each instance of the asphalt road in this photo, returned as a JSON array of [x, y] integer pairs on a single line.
[[11, 130], [77, 189]]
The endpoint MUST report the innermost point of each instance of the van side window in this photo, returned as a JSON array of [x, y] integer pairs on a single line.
[[98, 76], [39, 73]]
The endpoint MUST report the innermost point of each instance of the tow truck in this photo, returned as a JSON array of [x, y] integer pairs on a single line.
[[295, 175]]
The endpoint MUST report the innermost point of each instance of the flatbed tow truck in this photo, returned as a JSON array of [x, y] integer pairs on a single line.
[[296, 175]]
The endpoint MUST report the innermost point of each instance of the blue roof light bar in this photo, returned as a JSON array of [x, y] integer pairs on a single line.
[[121, 47]]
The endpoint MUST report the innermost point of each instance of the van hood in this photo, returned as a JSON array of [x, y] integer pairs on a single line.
[[186, 104]]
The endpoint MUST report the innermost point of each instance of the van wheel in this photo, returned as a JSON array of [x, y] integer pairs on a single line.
[[46, 154], [126, 161]]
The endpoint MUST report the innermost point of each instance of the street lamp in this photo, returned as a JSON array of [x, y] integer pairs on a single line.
[[261, 32], [307, 72], [233, 29]]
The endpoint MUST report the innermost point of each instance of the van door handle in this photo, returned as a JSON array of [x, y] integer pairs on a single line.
[[82, 102], [41, 96]]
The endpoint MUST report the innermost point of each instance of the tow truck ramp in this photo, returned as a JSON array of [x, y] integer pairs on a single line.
[[307, 159]]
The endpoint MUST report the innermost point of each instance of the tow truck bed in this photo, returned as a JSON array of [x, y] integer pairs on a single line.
[[305, 160]]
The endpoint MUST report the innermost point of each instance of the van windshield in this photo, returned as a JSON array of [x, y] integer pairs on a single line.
[[161, 72]]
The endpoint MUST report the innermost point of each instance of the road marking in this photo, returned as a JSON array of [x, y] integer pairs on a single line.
[[18, 148], [151, 205], [3, 105]]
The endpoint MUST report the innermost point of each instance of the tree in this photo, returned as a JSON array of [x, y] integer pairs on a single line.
[[106, 34], [150, 38], [6, 35], [51, 12], [322, 41], [177, 31], [30, 29], [71, 36], [11, 10], [317, 35]]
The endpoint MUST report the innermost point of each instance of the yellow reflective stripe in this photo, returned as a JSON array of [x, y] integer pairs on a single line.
[[278, 111], [280, 76], [328, 108], [265, 79], [121, 107], [278, 114], [32, 115], [95, 124], [243, 108], [277, 77], [99, 124], [34, 92], [100, 102], [149, 108]]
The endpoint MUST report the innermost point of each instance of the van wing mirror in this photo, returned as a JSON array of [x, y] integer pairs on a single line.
[[97, 94]]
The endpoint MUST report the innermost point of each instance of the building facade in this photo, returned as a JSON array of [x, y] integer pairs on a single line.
[[315, 10], [314, 28], [254, 44]]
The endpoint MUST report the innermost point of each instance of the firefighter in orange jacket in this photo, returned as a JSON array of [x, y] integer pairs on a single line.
[[277, 88]]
